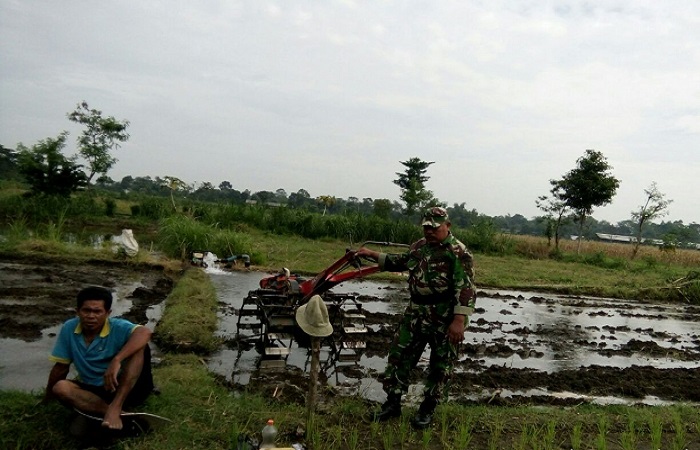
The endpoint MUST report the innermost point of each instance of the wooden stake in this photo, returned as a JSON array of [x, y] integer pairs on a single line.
[[313, 377]]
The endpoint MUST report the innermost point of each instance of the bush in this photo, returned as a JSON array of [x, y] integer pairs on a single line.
[[152, 208], [110, 207], [180, 235], [483, 237]]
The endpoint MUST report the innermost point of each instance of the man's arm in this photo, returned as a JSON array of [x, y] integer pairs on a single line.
[[368, 253], [59, 372], [465, 295], [139, 339]]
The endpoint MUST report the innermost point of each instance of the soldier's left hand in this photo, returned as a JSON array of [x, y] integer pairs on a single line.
[[455, 333]]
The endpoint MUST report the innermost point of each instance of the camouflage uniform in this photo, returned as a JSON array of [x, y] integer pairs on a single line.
[[441, 285]]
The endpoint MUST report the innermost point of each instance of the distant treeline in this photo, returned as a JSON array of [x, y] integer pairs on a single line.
[[352, 218], [460, 215]]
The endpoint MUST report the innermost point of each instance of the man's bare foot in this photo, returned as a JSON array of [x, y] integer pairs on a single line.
[[113, 419]]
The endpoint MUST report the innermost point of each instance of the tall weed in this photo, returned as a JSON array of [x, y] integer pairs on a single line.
[[180, 235]]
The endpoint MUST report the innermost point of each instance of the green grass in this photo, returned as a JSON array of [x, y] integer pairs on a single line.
[[205, 414], [640, 281], [595, 274], [189, 320]]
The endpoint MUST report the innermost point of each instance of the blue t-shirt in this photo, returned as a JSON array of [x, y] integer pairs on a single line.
[[91, 361]]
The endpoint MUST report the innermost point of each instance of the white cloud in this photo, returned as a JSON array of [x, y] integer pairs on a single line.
[[502, 95]]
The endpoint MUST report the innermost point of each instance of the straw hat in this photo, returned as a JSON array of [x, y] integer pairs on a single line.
[[313, 318]]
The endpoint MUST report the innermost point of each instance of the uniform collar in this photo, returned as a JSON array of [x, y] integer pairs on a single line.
[[448, 239], [103, 333]]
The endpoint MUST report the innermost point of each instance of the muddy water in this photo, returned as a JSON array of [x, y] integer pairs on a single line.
[[37, 296], [25, 365], [519, 346]]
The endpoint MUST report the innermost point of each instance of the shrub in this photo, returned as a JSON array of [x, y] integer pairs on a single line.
[[110, 207], [152, 208]]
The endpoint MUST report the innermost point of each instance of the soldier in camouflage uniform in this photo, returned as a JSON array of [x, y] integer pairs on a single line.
[[441, 285]]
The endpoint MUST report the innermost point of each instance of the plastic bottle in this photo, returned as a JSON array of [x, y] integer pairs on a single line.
[[269, 435]]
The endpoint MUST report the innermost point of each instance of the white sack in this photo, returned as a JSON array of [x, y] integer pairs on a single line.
[[126, 243]]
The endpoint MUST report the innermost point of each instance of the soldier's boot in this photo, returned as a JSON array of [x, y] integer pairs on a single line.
[[390, 408], [424, 416]]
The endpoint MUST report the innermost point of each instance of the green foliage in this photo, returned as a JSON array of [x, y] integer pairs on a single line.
[[412, 184], [189, 321], [110, 207], [483, 237], [151, 208], [589, 184], [353, 228], [101, 134], [179, 236], [655, 205], [600, 259], [649, 261], [597, 259], [39, 210], [17, 231], [555, 208], [8, 164], [47, 170]]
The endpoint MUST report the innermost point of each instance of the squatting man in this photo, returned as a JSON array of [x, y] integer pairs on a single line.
[[111, 356], [441, 286]]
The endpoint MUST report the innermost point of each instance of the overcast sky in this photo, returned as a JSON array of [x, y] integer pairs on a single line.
[[330, 96]]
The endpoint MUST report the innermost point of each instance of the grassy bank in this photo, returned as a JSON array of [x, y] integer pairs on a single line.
[[600, 269], [189, 320], [593, 272], [207, 415]]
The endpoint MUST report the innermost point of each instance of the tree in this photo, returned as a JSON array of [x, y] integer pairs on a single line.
[[461, 216], [105, 182], [174, 184], [299, 199], [556, 208], [280, 196], [101, 135], [126, 182], [327, 201], [8, 164], [382, 208], [47, 170], [263, 197], [589, 184], [654, 207], [225, 186], [412, 184]]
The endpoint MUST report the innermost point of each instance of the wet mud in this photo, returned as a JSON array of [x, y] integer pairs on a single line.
[[38, 293], [520, 348], [473, 376]]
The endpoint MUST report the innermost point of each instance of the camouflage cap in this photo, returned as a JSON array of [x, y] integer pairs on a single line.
[[434, 217]]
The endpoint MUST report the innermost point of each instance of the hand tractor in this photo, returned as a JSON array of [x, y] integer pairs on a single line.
[[269, 312]]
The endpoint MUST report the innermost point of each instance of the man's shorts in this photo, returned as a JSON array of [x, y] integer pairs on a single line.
[[139, 393]]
